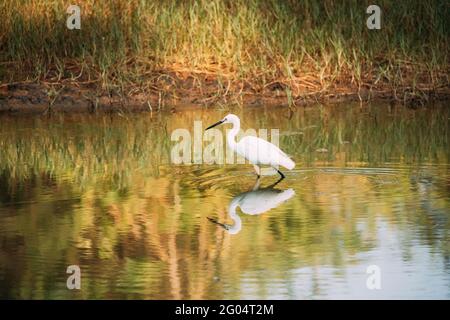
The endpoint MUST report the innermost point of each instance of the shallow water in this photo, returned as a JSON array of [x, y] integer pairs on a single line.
[[371, 187]]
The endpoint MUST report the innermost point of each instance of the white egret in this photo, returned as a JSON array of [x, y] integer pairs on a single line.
[[254, 202], [256, 150]]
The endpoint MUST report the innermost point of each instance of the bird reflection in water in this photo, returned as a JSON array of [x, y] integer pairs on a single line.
[[254, 202]]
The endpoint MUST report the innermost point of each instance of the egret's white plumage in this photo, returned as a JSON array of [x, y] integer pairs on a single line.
[[262, 152], [256, 150]]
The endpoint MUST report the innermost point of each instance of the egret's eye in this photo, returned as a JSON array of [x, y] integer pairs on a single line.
[[224, 119]]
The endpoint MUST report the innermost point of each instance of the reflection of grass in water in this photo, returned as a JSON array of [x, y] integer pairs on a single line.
[[85, 150], [97, 197], [100, 149], [371, 136]]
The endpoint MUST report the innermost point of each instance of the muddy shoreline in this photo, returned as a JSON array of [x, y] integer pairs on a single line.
[[38, 98]]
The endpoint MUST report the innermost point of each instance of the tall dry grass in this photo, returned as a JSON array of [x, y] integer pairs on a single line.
[[291, 47]]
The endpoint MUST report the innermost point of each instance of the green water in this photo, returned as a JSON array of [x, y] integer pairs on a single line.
[[371, 187]]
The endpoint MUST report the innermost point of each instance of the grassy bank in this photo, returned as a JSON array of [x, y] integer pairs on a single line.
[[217, 49]]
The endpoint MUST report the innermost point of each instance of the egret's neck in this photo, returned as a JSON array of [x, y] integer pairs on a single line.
[[231, 136], [237, 225]]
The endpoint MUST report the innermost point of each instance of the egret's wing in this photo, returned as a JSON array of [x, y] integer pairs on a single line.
[[260, 151], [255, 144]]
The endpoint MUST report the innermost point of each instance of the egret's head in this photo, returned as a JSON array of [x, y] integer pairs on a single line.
[[230, 118]]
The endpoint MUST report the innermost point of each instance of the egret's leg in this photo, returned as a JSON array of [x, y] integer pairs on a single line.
[[281, 173], [274, 184], [258, 182], [258, 170]]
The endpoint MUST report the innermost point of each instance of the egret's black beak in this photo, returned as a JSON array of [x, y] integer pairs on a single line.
[[215, 124]]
